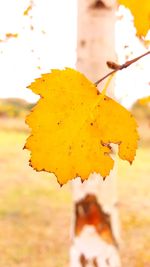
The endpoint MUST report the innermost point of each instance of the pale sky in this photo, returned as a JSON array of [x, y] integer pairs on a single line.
[[133, 82], [47, 39], [51, 44]]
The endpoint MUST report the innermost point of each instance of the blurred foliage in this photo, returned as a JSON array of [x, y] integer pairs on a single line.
[[13, 112], [142, 116], [141, 112], [14, 107], [35, 213]]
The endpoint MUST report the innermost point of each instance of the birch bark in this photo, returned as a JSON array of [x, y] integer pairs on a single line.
[[95, 227]]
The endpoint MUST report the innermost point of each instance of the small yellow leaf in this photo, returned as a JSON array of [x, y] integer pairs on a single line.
[[72, 127], [141, 13]]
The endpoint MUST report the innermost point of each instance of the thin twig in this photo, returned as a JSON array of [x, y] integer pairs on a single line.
[[120, 67]]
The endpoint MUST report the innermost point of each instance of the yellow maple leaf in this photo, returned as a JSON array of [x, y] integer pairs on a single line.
[[73, 126], [141, 13]]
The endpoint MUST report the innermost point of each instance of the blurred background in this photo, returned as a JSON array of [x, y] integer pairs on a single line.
[[36, 36]]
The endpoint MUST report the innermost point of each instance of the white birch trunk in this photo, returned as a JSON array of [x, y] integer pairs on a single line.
[[95, 229]]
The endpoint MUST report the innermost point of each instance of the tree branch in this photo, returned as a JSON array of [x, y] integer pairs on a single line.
[[117, 67]]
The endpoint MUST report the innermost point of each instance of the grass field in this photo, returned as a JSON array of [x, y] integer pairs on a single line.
[[35, 213]]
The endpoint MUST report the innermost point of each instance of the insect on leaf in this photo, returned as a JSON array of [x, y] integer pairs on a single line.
[[72, 127]]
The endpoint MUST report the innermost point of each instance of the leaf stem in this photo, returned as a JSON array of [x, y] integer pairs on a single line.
[[117, 67], [107, 84]]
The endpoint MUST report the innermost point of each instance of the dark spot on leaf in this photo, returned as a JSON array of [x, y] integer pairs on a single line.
[[106, 144], [69, 153], [97, 92], [91, 123]]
